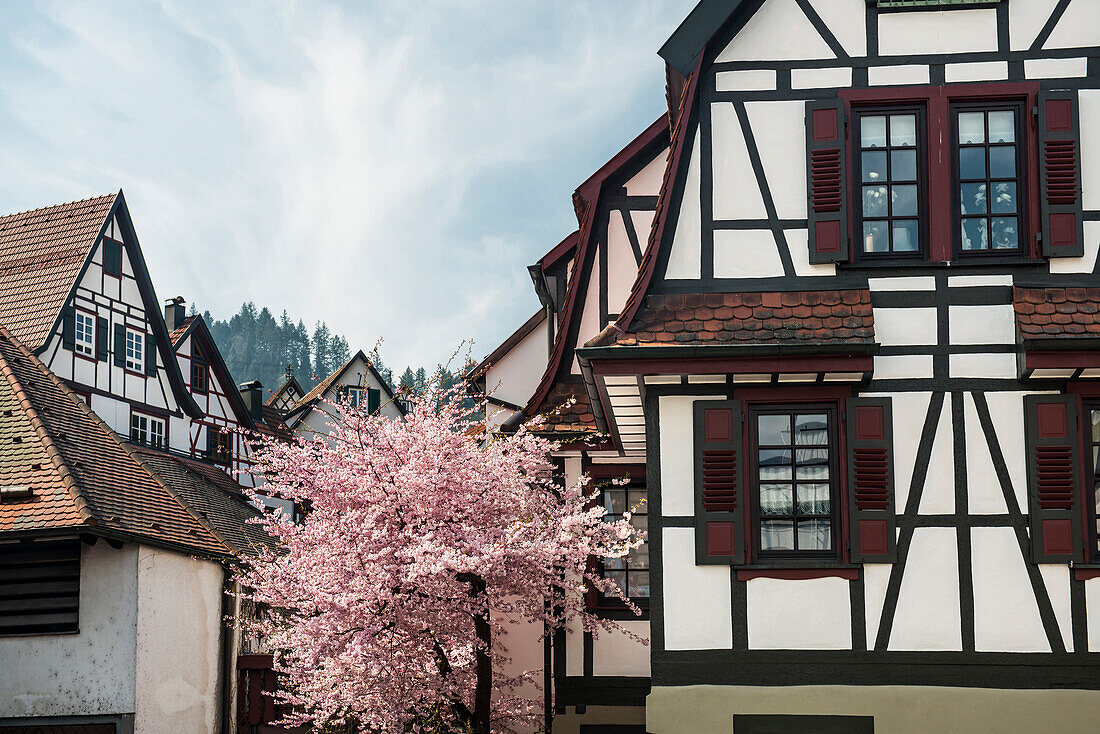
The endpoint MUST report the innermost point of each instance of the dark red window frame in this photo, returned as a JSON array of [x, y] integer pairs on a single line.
[[1088, 397], [602, 473], [940, 151]]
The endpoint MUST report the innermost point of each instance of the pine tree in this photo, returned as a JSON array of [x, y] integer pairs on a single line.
[[322, 360]]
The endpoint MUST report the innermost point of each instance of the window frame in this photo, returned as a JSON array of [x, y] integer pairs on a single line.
[[923, 217], [1023, 201], [837, 508], [199, 365], [1092, 532], [217, 439], [140, 342], [147, 431], [355, 395], [80, 313], [599, 600]]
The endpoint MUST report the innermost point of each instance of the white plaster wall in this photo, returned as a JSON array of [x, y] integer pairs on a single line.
[[734, 189], [774, 125], [798, 244], [876, 579], [905, 326], [938, 496], [616, 653], [1057, 580], [699, 596], [982, 324], [515, 376], [983, 488], [928, 613], [810, 614], [1077, 26], [523, 644], [622, 267], [742, 80], [647, 182], [1092, 613], [847, 20], [746, 253], [778, 31], [677, 468], [1006, 411], [91, 672], [909, 411], [937, 32], [179, 627], [1025, 20], [1088, 107], [1006, 616], [683, 259], [590, 316]]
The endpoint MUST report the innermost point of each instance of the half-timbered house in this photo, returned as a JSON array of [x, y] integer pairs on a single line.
[[357, 382], [858, 364]]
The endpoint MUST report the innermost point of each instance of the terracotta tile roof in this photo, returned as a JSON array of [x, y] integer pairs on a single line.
[[788, 317], [178, 333], [577, 419], [41, 253], [83, 475], [317, 393], [1057, 312], [274, 425]]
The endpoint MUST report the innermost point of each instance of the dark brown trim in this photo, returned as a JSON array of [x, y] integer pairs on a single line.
[[734, 365], [797, 574]]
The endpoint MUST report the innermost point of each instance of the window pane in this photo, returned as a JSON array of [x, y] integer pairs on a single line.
[[774, 430], [812, 429], [903, 165], [973, 198], [612, 564], [639, 523], [1004, 197], [874, 201], [1002, 162], [875, 238], [1002, 126], [1006, 233], [872, 131], [874, 165], [813, 499], [1096, 426], [775, 464], [906, 235], [971, 163], [971, 127], [776, 499], [974, 234], [619, 577], [818, 470], [636, 501], [639, 557], [614, 501], [776, 535], [639, 585], [815, 535], [903, 200], [903, 129]]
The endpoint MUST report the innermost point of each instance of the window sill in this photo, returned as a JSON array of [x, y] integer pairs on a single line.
[[798, 571], [964, 262]]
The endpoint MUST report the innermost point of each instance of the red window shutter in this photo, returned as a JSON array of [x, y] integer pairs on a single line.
[[1054, 478], [719, 498], [826, 181], [871, 513], [1060, 164]]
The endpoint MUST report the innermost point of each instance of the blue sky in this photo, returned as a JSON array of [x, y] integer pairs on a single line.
[[389, 167]]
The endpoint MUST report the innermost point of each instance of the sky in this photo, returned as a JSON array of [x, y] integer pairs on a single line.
[[388, 167]]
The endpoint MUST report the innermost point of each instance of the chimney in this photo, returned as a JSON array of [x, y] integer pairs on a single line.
[[174, 312], [252, 395]]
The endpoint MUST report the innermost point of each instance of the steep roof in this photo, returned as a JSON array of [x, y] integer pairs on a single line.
[[291, 383], [85, 478], [196, 328], [41, 253], [315, 395], [1057, 313]]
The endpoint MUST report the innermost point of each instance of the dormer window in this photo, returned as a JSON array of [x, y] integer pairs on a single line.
[[147, 430], [200, 371], [135, 350], [84, 340]]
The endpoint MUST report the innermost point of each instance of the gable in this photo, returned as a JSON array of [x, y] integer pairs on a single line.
[[778, 31]]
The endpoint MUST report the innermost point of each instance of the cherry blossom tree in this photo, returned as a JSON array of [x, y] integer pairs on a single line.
[[424, 539]]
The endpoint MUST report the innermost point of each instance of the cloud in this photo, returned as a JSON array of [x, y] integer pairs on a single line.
[[387, 167]]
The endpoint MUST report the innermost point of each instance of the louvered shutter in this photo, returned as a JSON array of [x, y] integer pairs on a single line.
[[150, 354], [1053, 478], [102, 327], [827, 181], [68, 328], [1060, 162], [719, 477], [120, 345], [871, 512], [112, 257], [374, 400]]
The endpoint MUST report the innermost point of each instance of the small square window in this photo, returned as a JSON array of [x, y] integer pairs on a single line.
[[85, 334], [135, 350], [355, 396]]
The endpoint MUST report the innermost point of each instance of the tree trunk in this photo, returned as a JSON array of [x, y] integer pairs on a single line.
[[483, 662]]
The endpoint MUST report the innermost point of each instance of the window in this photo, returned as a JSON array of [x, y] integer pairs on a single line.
[[135, 357], [355, 396], [147, 430], [199, 376], [889, 169], [84, 342], [219, 445], [988, 166], [112, 257], [1092, 438], [40, 592], [631, 572], [794, 453]]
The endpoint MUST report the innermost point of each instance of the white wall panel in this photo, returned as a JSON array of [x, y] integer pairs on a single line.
[[1076, 28], [905, 326], [736, 194], [683, 259], [622, 267], [1006, 616], [847, 21], [810, 614], [798, 243], [515, 376], [840, 76], [746, 253], [590, 317], [778, 31], [745, 80], [876, 577], [901, 74], [906, 283], [983, 489], [615, 653], [677, 468], [937, 32], [1006, 410], [982, 365], [774, 125], [928, 615], [909, 410], [938, 497], [982, 324], [1056, 68], [1088, 105], [1092, 613], [1057, 581], [976, 72], [1025, 20], [903, 366], [647, 182], [696, 600]]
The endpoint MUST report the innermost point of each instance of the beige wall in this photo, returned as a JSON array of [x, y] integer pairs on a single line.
[[571, 722], [897, 709]]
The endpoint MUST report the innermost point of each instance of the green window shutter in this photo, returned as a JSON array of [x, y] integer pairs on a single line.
[[871, 510], [719, 483], [68, 328], [1060, 183], [1053, 478], [374, 400], [826, 181], [120, 345], [150, 354], [112, 257], [102, 326]]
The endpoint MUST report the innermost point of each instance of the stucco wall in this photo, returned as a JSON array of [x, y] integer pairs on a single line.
[[179, 609], [91, 672]]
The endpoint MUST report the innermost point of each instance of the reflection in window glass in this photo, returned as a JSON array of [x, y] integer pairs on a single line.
[[630, 573], [989, 207], [889, 196]]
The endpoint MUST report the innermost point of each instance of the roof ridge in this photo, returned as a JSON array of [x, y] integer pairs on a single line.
[[82, 504], [58, 205]]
